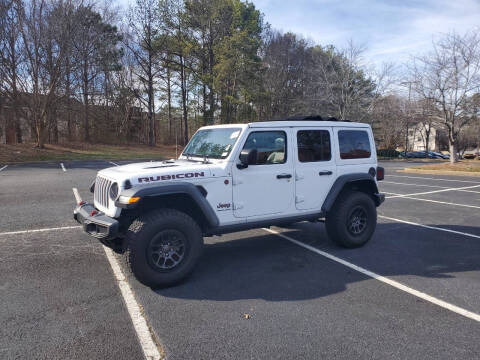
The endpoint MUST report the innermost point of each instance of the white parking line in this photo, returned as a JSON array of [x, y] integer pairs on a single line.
[[111, 162], [63, 167], [430, 227], [397, 183], [39, 230], [385, 280], [398, 196], [441, 202], [147, 343], [77, 195], [435, 191], [432, 186], [425, 178], [150, 349], [3, 167]]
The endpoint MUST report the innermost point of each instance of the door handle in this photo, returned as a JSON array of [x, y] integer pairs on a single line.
[[328, 172], [284, 176]]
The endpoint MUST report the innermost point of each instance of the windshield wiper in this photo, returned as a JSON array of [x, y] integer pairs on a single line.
[[188, 155]]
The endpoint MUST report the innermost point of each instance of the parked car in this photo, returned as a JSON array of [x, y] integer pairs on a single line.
[[231, 178], [441, 156], [435, 155], [471, 154]]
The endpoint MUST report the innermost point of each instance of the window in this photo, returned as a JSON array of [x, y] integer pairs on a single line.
[[271, 146], [313, 145], [354, 144], [212, 143]]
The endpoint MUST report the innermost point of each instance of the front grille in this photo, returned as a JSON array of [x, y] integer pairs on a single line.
[[102, 189]]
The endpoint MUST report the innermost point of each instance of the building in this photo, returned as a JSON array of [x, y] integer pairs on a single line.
[[417, 138]]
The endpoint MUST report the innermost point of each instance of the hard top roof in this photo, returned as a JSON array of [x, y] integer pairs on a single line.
[[306, 120], [295, 121]]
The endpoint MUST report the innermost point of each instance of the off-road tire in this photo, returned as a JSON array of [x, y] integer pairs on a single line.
[[338, 219], [141, 233]]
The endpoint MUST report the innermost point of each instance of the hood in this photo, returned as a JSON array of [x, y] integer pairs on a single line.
[[159, 171]]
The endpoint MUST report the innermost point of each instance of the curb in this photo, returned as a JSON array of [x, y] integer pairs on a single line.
[[440, 172]]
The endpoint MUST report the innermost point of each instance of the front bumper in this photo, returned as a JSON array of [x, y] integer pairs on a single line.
[[379, 198], [98, 225]]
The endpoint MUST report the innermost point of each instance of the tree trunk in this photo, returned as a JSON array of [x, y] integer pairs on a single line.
[[151, 118], [211, 98], [453, 152], [41, 130], [169, 105], [85, 101], [427, 140], [67, 95], [184, 99]]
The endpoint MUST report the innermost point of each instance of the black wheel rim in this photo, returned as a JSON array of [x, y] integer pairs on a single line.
[[357, 221], [166, 250]]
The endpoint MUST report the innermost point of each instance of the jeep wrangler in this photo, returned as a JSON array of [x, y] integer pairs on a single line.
[[231, 178]]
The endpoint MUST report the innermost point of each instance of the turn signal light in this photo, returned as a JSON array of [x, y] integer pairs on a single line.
[[81, 203], [133, 199]]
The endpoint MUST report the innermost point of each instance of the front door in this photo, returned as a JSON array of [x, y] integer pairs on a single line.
[[315, 167], [266, 187]]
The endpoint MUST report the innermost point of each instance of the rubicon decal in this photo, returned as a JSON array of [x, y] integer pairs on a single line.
[[170, 177]]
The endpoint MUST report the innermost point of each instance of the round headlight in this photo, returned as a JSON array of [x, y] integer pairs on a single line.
[[114, 191]]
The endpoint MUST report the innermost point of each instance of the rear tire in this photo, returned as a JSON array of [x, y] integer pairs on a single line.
[[352, 219], [163, 247]]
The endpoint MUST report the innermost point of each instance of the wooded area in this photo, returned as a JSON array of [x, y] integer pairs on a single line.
[[71, 71]]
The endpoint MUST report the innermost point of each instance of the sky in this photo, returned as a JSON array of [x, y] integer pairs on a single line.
[[391, 30]]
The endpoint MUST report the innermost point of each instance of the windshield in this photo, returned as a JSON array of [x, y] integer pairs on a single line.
[[212, 143]]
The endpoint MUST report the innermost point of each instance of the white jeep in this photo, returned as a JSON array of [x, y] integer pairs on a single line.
[[236, 177]]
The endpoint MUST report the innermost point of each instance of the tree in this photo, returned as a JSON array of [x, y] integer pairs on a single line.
[[237, 73], [95, 48], [178, 40], [142, 41], [449, 76], [45, 37], [288, 61], [349, 91], [10, 64]]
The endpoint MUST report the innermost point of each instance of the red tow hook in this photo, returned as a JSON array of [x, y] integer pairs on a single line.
[[93, 213], [82, 203]]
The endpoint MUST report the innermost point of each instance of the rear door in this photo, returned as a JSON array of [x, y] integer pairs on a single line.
[[315, 169]]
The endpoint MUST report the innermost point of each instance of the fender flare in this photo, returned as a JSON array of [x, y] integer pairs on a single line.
[[340, 183], [158, 190]]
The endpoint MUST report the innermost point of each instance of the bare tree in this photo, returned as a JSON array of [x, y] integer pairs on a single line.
[[10, 64], [349, 91], [45, 37], [141, 41], [448, 77]]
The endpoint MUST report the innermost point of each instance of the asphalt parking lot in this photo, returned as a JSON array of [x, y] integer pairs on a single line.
[[412, 292]]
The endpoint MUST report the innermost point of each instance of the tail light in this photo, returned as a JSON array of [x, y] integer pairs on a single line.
[[380, 173]]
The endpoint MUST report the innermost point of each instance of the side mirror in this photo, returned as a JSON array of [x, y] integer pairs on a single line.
[[247, 157]]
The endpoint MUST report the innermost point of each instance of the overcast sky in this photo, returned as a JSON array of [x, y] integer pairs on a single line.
[[392, 30]]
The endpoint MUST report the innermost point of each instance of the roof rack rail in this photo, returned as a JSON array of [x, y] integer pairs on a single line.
[[308, 117]]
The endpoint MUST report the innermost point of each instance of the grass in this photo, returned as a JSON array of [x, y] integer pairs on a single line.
[[463, 166], [10, 154]]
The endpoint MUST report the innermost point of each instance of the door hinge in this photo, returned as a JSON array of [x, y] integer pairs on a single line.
[[299, 199], [237, 206]]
